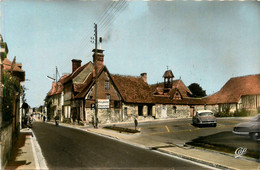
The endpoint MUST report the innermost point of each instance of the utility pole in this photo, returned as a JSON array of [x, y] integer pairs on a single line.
[[56, 74], [96, 79]]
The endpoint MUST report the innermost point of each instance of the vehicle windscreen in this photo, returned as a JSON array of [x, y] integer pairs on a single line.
[[256, 118], [205, 114]]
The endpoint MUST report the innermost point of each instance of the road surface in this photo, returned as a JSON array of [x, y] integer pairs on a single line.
[[67, 148]]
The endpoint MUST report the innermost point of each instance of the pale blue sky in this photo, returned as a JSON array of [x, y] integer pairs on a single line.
[[202, 42]]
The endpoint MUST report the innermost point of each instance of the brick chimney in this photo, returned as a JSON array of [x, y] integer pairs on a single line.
[[98, 60], [144, 76], [75, 64]]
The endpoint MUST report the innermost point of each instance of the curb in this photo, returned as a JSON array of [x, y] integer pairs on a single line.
[[197, 160], [38, 157], [245, 157]]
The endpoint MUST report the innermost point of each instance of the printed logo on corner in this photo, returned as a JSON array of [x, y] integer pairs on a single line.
[[240, 152]]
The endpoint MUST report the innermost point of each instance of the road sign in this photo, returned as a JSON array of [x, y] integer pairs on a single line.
[[103, 103]]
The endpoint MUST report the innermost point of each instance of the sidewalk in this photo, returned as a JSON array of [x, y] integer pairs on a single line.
[[26, 153], [22, 157]]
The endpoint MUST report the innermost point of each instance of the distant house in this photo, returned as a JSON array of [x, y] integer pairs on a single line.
[[238, 93], [123, 97], [55, 100], [137, 99], [128, 97], [173, 99], [73, 83]]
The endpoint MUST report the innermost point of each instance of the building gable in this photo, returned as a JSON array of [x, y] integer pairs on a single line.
[[236, 87], [83, 75], [133, 89], [106, 88]]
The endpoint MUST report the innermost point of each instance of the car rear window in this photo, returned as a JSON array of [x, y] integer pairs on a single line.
[[205, 114]]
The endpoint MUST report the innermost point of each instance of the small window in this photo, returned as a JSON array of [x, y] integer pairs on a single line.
[[140, 110], [117, 104], [106, 85], [177, 95], [108, 96], [125, 111], [174, 109]]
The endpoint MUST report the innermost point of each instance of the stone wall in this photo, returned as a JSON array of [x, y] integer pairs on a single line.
[[128, 112], [213, 108], [6, 144], [172, 111], [132, 112], [104, 115]]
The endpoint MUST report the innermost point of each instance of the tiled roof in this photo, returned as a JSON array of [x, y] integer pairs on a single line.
[[57, 88], [7, 66], [236, 87], [176, 84], [17, 71], [133, 89], [75, 73], [79, 87], [83, 90], [53, 89]]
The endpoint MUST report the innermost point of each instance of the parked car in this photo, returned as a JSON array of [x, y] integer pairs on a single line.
[[250, 128], [204, 117]]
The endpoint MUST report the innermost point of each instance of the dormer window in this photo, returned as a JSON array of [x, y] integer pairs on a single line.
[[177, 96], [106, 85]]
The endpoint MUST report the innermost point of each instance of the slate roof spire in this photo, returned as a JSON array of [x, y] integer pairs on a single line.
[[168, 78]]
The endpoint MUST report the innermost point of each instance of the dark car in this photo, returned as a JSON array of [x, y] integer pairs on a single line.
[[204, 117], [250, 128]]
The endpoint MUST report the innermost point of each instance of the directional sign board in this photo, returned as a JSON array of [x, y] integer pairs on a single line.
[[103, 103]]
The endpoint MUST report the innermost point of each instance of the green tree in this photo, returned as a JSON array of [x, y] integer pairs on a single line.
[[11, 89], [196, 90]]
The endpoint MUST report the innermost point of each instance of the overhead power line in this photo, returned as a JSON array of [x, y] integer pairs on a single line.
[[105, 21]]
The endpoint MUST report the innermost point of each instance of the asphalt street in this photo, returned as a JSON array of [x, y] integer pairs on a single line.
[[66, 148], [183, 130]]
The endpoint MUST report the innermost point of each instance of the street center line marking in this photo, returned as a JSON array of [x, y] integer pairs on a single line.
[[167, 128]]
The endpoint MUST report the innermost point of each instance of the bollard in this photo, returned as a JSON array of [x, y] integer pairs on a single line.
[[136, 123]]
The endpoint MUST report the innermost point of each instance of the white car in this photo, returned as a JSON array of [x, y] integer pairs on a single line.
[[250, 128], [204, 117]]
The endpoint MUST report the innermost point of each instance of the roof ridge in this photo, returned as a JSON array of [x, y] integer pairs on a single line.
[[125, 75], [245, 76], [162, 82], [79, 68]]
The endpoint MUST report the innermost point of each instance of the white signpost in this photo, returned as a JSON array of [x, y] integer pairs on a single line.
[[103, 103]]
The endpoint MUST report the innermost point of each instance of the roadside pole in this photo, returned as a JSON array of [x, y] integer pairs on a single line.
[[96, 80]]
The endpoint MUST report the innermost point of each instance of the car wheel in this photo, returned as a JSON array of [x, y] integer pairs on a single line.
[[255, 136], [214, 125]]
